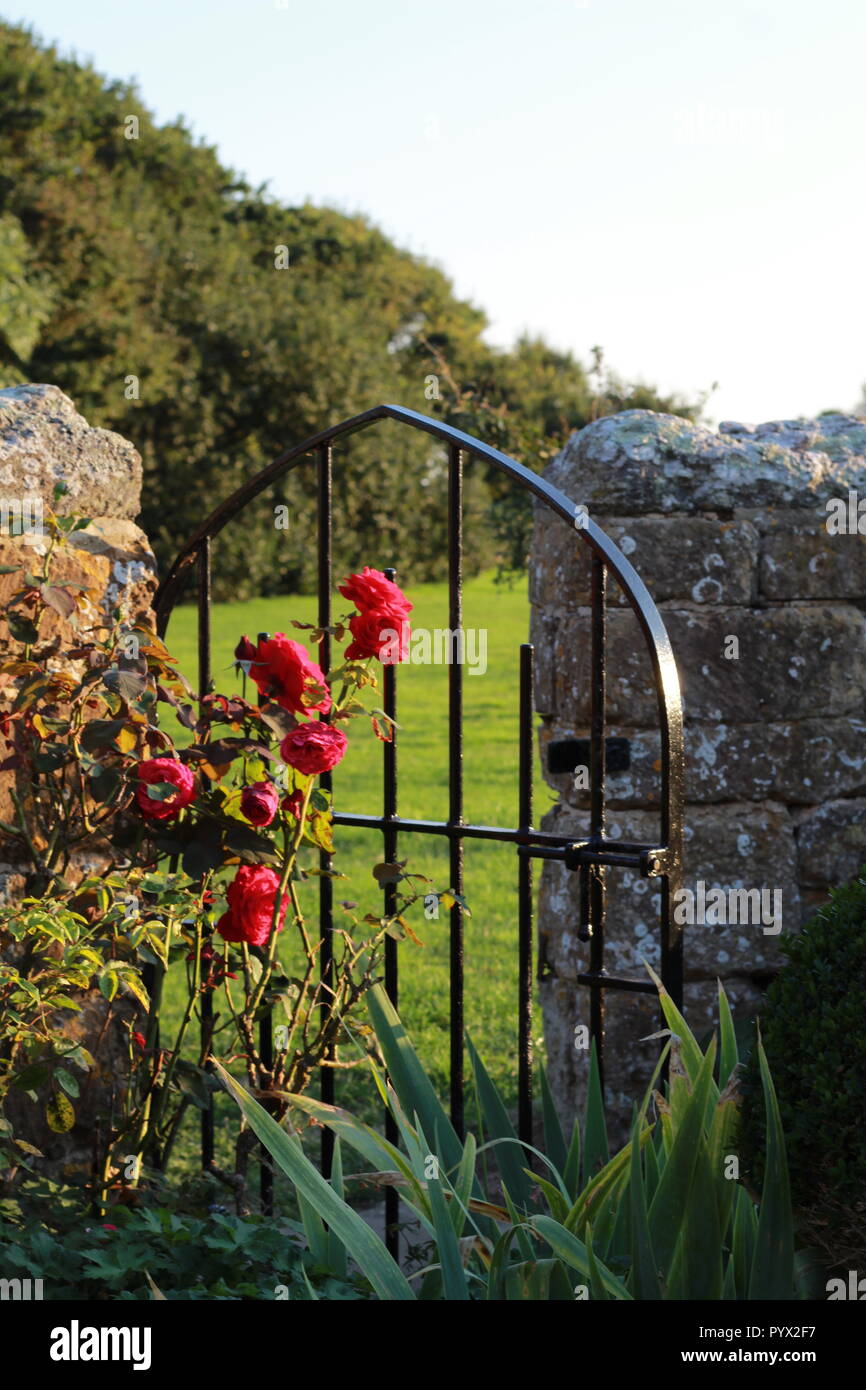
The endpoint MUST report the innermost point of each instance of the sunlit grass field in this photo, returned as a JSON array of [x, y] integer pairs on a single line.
[[490, 798]]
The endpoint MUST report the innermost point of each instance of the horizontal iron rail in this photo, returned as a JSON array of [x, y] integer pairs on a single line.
[[534, 844], [444, 827]]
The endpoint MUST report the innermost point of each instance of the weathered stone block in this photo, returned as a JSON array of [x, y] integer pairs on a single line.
[[808, 760], [638, 462], [130, 578], [810, 657], [736, 847], [693, 559], [44, 441], [831, 843], [802, 561]]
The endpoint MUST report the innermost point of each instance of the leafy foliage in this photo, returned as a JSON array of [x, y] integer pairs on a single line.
[[52, 955], [146, 258], [212, 1257], [665, 1218], [812, 1026]]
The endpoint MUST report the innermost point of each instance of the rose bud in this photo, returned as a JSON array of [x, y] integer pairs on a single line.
[[259, 803], [245, 650]]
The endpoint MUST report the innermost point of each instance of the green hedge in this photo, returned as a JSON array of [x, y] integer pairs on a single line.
[[814, 1030]]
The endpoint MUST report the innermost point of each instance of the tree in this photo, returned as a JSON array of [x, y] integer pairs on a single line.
[[214, 327]]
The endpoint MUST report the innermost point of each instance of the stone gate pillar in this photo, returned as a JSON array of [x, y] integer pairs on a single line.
[[43, 442], [763, 597]]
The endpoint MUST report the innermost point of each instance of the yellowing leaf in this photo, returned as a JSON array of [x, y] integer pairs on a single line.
[[133, 984], [59, 1114]]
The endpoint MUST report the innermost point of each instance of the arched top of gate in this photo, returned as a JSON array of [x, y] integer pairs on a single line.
[[573, 513]]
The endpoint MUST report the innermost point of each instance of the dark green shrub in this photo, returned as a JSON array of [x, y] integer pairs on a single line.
[[213, 1256], [813, 1025]]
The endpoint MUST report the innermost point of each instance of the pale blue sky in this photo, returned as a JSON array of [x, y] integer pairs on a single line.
[[680, 181]]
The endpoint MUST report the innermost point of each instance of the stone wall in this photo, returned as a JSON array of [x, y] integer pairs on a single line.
[[765, 610], [43, 442]]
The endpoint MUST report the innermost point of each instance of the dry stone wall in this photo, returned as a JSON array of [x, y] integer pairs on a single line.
[[748, 540], [43, 442]]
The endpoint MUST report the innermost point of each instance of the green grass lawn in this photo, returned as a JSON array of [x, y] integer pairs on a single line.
[[490, 797]]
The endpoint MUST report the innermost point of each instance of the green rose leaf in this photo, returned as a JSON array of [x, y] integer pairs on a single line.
[[68, 1082]]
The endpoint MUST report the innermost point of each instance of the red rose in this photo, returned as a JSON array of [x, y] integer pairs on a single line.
[[372, 592], [284, 671], [164, 770], [378, 634], [250, 898], [259, 803], [313, 747]]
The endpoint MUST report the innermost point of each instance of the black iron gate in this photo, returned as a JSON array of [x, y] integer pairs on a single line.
[[591, 857]]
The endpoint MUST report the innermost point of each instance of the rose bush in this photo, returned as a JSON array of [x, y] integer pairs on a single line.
[[204, 850]]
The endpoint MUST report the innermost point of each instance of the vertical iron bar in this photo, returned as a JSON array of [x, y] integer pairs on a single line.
[[673, 754], [389, 763], [204, 684], [326, 885], [455, 769], [597, 788], [524, 891]]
